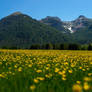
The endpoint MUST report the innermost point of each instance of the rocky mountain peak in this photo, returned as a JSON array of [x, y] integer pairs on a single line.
[[16, 13], [52, 18], [81, 17]]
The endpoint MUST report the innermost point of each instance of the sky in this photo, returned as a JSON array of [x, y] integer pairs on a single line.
[[67, 10]]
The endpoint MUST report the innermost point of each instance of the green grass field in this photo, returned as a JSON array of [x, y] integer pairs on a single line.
[[45, 71]]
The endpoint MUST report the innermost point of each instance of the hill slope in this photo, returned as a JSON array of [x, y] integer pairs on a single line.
[[83, 30], [22, 31], [80, 28], [55, 22]]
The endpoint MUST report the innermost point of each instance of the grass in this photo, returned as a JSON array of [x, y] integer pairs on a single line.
[[45, 71]]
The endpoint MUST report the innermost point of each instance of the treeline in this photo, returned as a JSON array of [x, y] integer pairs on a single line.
[[55, 47], [62, 46]]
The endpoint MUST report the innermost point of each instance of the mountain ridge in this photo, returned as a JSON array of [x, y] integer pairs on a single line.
[[21, 30], [71, 26]]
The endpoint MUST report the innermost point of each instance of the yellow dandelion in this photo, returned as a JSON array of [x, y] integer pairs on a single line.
[[77, 88], [78, 82], [87, 79], [86, 86], [56, 70], [64, 78], [39, 71], [70, 71], [0, 63], [80, 67], [41, 78], [36, 80], [20, 69], [32, 87]]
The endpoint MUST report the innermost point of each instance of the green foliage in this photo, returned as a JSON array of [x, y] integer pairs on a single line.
[[22, 31], [90, 47], [59, 70], [49, 46]]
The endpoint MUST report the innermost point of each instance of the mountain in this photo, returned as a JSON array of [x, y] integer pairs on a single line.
[[83, 30], [21, 31], [80, 23], [55, 22], [67, 26], [80, 29]]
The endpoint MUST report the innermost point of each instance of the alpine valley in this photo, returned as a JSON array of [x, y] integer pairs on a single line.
[[22, 31]]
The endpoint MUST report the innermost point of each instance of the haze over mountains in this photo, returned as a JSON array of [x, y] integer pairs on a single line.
[[22, 31]]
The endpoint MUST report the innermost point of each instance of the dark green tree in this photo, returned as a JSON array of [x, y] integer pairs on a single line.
[[90, 47], [49, 46]]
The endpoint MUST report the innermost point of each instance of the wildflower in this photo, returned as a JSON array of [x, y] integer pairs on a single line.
[[1, 75], [47, 68], [15, 66], [32, 87], [72, 65], [83, 70], [0, 63], [63, 78], [20, 69], [80, 67], [78, 82], [41, 78], [48, 75], [70, 71], [91, 62], [39, 71], [60, 73], [56, 70], [36, 80], [77, 88], [87, 79], [63, 72], [30, 65], [89, 74], [86, 86]]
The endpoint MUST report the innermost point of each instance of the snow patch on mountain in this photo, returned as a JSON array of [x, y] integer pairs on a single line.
[[69, 27], [71, 31]]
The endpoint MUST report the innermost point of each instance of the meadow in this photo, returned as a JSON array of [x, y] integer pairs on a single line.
[[45, 71]]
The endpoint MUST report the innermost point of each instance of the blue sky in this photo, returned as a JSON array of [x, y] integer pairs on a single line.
[[65, 9]]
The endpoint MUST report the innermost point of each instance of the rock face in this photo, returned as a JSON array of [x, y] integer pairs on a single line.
[[50, 19], [80, 29], [68, 26], [55, 22], [79, 23]]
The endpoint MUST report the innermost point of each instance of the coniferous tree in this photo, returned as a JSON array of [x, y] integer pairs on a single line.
[[90, 47]]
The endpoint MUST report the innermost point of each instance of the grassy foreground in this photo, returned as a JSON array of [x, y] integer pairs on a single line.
[[45, 71]]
